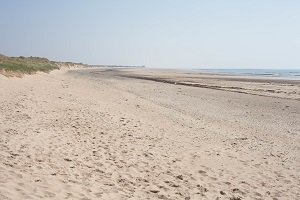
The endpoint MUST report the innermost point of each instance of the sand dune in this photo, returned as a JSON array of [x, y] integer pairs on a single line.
[[102, 134]]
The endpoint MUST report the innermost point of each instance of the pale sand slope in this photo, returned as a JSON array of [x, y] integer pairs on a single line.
[[92, 134]]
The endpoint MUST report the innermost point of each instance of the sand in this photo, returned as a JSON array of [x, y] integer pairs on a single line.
[[148, 134]]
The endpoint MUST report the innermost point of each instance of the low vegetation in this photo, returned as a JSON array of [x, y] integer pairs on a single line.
[[25, 65]]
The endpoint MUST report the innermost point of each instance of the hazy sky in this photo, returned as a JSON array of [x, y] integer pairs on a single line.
[[157, 33]]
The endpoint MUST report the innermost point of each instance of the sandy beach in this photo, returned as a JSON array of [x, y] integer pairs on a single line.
[[148, 134]]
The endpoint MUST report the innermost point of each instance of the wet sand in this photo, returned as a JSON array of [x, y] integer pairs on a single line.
[[148, 134]]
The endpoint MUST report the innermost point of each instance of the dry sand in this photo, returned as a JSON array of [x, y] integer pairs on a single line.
[[134, 134]]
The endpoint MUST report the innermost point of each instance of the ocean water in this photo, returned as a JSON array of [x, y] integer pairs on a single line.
[[292, 74]]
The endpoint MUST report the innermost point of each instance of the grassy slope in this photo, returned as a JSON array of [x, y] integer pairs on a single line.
[[24, 65]]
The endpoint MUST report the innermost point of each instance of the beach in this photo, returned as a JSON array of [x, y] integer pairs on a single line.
[[110, 133]]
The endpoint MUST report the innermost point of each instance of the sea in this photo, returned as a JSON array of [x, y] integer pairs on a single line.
[[292, 74]]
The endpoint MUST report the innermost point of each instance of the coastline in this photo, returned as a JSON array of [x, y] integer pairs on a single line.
[[272, 74], [278, 88], [134, 134]]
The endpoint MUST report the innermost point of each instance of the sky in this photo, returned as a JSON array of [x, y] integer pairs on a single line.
[[156, 33]]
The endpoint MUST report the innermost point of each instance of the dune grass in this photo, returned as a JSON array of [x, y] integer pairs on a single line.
[[25, 65]]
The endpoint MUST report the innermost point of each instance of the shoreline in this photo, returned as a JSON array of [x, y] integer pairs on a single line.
[[276, 74], [233, 76], [289, 89]]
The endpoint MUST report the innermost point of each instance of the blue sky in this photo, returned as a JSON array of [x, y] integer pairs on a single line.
[[156, 33]]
